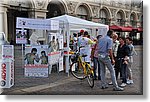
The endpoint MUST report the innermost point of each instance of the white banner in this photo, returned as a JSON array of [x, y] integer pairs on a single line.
[[44, 24]]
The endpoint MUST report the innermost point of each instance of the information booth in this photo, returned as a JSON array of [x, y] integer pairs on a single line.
[[38, 59], [71, 22]]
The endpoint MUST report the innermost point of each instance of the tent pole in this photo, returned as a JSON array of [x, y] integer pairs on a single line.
[[68, 40]]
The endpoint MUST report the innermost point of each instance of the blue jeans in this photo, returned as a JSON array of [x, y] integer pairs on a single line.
[[124, 73], [106, 62], [122, 68], [96, 63]]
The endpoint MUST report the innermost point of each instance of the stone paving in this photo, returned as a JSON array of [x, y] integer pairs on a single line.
[[60, 83]]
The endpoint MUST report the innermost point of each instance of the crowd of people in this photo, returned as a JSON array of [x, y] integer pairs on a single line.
[[115, 53]]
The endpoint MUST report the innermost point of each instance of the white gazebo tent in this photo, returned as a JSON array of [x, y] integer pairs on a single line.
[[71, 22]]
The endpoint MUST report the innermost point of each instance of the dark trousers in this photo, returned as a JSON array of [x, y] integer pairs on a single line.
[[96, 64], [121, 68]]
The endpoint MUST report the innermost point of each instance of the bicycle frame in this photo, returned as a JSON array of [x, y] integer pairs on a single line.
[[84, 64], [85, 72]]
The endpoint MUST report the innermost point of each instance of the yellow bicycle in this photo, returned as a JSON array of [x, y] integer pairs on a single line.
[[81, 69]]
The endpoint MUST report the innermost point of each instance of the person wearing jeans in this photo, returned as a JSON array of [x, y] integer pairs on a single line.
[[95, 60], [122, 61], [105, 57]]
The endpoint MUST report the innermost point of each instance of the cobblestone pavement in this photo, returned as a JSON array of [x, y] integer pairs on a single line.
[[61, 84]]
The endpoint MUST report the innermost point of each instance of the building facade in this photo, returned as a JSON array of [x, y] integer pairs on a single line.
[[111, 12]]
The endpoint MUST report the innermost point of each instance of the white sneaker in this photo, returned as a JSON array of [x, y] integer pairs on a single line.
[[110, 83], [118, 89], [129, 81], [123, 84]]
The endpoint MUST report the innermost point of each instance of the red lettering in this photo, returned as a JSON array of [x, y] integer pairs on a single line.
[[3, 74]]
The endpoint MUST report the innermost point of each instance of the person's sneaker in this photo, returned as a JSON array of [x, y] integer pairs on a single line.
[[104, 87], [129, 81], [110, 83], [123, 84], [99, 78], [118, 89]]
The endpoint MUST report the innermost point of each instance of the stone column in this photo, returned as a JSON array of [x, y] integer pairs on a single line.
[[3, 19]]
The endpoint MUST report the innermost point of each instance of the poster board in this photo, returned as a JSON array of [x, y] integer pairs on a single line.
[[21, 36], [36, 61], [53, 57], [53, 42], [6, 66], [7, 52], [6, 73]]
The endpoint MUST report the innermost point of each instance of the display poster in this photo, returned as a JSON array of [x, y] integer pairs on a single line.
[[53, 57], [61, 42], [6, 66], [6, 73], [36, 61], [7, 52], [33, 39], [53, 42], [21, 36]]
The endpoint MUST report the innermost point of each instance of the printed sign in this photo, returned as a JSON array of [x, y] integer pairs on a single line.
[[36, 61], [36, 70], [53, 57], [21, 36], [61, 68], [44, 24], [6, 73], [7, 52]]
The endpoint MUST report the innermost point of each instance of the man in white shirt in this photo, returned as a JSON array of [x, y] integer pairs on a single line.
[[85, 44]]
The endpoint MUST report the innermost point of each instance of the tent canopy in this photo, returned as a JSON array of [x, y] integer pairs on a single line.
[[75, 22]]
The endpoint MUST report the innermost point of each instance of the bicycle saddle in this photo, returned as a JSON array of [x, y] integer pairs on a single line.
[[84, 55]]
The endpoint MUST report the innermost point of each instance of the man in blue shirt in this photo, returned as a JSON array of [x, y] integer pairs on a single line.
[[105, 57]]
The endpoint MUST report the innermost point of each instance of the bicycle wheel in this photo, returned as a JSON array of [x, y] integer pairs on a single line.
[[77, 71], [90, 78]]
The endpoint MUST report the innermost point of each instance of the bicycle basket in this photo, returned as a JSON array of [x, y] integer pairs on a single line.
[[74, 58]]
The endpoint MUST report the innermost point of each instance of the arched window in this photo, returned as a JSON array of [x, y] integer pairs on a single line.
[[82, 12], [120, 20], [103, 16], [55, 9], [133, 20]]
